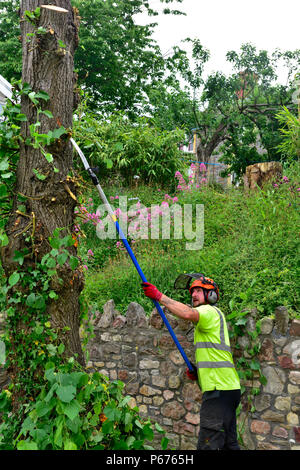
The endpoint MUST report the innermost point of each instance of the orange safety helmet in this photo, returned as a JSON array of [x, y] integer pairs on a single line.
[[211, 290]]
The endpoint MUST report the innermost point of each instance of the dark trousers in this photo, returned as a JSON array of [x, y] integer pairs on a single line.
[[218, 420]]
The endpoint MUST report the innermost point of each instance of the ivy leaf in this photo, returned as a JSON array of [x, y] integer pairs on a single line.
[[19, 257], [66, 393], [164, 443], [49, 157], [62, 258], [47, 113], [39, 175], [57, 133], [3, 239], [40, 303], [30, 300], [14, 279], [73, 262], [42, 95]]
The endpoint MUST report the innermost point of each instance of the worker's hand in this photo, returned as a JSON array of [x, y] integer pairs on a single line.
[[151, 291], [192, 374]]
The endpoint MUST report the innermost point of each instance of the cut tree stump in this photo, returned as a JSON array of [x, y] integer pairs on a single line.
[[260, 173]]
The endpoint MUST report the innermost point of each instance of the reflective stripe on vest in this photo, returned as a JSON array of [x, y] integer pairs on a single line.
[[222, 346]]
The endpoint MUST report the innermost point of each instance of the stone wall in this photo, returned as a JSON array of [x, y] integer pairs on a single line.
[[274, 425], [140, 352]]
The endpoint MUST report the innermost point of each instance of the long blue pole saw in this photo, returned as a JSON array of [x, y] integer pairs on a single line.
[[95, 181]]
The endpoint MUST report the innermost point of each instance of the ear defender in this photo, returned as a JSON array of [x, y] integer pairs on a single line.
[[211, 297]]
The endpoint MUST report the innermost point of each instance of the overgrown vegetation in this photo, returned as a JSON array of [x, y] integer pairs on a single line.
[[251, 243], [250, 247]]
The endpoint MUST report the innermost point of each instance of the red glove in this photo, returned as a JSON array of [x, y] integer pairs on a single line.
[[151, 291], [192, 374]]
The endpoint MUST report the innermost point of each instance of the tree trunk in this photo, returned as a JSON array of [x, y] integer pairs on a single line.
[[260, 173], [48, 67]]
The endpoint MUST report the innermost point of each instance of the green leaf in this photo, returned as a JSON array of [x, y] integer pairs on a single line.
[[66, 393], [53, 295], [42, 95], [128, 422], [39, 175], [57, 133], [49, 157], [27, 445], [159, 428], [69, 445], [4, 164], [109, 163], [62, 258], [50, 393], [51, 263], [59, 422], [74, 262], [164, 443], [72, 409], [39, 303], [47, 113], [4, 241], [21, 117], [43, 408], [13, 279], [61, 44]]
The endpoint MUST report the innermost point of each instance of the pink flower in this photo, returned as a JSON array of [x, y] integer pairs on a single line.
[[298, 189], [85, 267], [175, 199], [111, 198], [116, 197], [202, 167], [90, 253], [275, 185]]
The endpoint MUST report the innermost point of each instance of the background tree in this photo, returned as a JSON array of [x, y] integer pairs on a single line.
[[239, 110], [118, 62], [10, 41]]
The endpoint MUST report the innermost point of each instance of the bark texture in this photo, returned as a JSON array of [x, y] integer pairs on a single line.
[[260, 173], [48, 66]]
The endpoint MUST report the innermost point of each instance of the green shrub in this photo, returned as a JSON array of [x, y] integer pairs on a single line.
[[76, 411]]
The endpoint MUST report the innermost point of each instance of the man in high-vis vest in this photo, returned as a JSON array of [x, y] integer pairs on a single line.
[[214, 369]]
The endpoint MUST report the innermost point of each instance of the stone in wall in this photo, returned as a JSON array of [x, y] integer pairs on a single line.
[[153, 371], [275, 421], [151, 367]]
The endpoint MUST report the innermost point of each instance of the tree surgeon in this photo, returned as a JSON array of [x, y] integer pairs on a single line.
[[214, 370]]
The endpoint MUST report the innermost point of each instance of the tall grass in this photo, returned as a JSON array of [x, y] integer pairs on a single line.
[[251, 249]]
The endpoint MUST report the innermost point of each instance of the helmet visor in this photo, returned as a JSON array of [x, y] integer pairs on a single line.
[[183, 281]]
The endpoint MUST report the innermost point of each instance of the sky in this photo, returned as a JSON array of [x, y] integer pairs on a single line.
[[223, 25]]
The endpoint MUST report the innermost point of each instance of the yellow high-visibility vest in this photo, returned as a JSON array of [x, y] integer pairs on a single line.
[[215, 366]]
